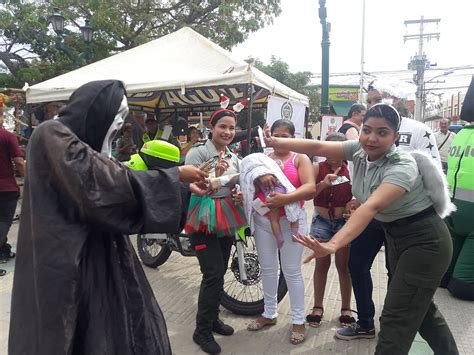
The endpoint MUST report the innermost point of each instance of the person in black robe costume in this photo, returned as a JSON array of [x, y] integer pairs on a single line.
[[79, 287]]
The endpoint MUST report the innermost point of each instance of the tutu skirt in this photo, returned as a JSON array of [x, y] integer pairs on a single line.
[[220, 216]]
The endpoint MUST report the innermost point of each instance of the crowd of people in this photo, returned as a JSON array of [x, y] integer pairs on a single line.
[[79, 287]]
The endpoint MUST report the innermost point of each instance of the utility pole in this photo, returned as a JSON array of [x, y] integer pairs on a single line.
[[326, 26], [361, 85], [419, 62]]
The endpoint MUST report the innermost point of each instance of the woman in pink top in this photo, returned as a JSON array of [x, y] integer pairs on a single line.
[[299, 171]]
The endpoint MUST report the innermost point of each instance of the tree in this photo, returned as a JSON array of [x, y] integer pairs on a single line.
[[299, 81], [27, 43]]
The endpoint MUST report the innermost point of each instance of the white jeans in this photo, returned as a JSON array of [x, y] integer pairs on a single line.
[[290, 255]]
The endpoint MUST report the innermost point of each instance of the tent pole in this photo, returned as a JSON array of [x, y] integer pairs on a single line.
[[306, 121], [250, 94]]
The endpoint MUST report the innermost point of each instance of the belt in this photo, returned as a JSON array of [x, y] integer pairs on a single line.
[[413, 218]]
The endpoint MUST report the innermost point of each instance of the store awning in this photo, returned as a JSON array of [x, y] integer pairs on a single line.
[[341, 108]]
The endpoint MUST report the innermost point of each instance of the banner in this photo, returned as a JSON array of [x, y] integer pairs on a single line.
[[281, 108], [330, 124], [343, 93]]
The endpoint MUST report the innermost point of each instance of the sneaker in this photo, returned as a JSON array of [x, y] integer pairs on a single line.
[[6, 253], [355, 331], [3, 272], [207, 343], [221, 328]]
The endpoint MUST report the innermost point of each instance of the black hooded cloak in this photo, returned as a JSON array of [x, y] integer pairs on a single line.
[[78, 286]]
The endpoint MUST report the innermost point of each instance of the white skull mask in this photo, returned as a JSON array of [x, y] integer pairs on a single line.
[[117, 123]]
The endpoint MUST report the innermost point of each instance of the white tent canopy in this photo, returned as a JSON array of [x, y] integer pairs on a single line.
[[180, 60]]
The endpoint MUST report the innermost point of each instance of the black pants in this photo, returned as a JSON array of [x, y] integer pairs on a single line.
[[8, 202], [213, 255], [364, 249]]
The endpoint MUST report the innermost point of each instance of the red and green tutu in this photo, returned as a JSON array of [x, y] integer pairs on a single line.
[[220, 216]]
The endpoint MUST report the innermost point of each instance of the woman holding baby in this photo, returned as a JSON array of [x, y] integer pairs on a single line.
[[298, 169]]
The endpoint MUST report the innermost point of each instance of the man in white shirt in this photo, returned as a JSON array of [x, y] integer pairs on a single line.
[[443, 141]]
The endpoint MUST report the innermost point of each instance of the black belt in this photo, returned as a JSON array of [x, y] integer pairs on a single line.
[[413, 218]]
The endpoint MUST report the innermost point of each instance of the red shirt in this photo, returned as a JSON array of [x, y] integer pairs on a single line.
[[9, 149], [333, 196]]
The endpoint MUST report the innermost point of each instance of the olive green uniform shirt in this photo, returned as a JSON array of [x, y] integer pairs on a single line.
[[395, 167], [200, 153]]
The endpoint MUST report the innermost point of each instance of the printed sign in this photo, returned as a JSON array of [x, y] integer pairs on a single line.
[[330, 124], [286, 109]]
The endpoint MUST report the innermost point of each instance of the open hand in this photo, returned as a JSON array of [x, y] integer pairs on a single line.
[[319, 249], [267, 136], [190, 174], [199, 188]]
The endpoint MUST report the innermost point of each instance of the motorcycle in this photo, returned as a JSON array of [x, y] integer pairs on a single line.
[[243, 291]]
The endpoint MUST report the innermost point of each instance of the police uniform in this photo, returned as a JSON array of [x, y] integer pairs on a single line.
[[212, 222], [460, 276], [172, 139], [419, 249]]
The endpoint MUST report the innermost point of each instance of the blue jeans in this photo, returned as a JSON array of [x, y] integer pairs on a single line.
[[323, 228], [364, 249]]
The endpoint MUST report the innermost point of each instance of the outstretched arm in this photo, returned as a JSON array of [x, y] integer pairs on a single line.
[[380, 199], [306, 146]]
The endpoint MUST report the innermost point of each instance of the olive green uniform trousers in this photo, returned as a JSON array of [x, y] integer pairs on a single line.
[[420, 251]]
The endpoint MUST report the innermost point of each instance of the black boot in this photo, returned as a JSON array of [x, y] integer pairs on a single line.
[[207, 343], [221, 328]]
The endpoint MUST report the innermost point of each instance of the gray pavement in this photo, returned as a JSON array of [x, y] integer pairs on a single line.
[[176, 285]]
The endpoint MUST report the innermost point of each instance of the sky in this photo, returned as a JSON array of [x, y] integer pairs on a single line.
[[295, 37]]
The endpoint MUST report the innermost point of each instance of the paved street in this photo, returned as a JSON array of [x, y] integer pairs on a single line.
[[176, 285]]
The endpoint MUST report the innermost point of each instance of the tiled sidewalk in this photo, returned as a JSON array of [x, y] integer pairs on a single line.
[[176, 285]]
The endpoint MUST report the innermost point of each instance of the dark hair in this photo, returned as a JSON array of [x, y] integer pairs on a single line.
[[190, 129], [285, 124], [388, 112], [356, 108], [336, 137], [216, 116]]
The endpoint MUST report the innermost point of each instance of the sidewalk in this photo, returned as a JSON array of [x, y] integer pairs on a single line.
[[176, 285]]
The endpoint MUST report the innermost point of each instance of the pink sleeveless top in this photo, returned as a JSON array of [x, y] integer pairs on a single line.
[[291, 172]]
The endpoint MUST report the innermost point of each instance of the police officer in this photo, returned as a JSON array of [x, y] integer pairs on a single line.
[[460, 276], [154, 131]]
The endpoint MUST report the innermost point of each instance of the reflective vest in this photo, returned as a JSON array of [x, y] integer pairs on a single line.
[[461, 165], [146, 137]]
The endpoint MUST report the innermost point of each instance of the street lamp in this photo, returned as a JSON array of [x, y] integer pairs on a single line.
[[325, 43], [87, 31], [57, 21]]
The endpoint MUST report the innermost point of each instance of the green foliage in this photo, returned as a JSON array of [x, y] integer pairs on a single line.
[[29, 48], [299, 81]]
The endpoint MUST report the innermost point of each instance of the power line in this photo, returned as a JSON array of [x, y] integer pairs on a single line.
[[402, 71]]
